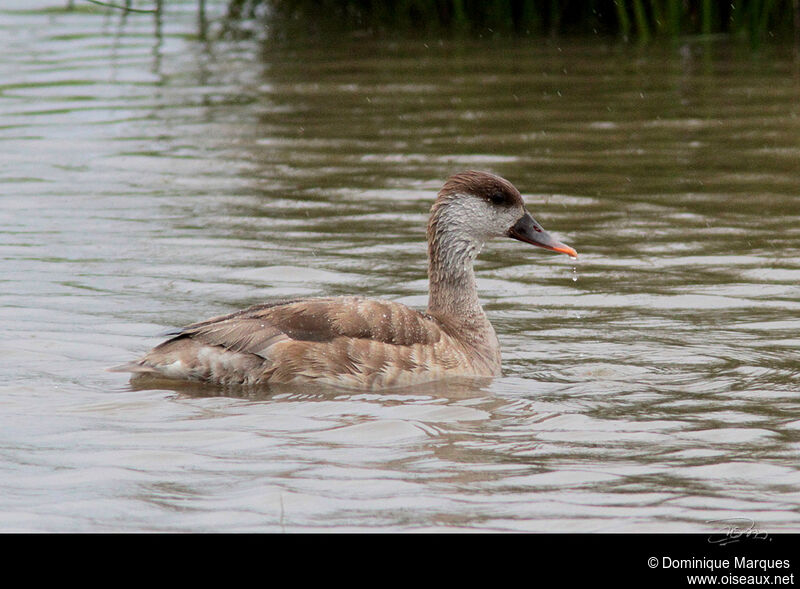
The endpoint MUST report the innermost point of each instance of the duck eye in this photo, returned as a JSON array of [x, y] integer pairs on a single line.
[[497, 198]]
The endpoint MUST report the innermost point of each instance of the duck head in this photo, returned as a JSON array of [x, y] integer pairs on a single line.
[[473, 207]]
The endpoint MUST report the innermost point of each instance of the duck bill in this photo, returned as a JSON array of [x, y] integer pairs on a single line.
[[529, 231]]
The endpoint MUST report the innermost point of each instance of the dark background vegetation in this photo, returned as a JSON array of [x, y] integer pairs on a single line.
[[631, 20]]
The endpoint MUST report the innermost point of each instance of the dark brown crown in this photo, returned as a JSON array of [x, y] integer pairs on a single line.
[[494, 189]]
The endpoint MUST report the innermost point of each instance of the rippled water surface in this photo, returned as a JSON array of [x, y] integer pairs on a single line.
[[151, 176]]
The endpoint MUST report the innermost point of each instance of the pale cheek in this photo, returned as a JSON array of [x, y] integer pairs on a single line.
[[501, 223], [511, 219], [479, 222]]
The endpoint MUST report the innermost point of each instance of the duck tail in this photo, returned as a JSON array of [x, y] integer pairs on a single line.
[[135, 367]]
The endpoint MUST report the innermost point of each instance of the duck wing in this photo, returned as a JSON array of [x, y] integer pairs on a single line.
[[256, 329]]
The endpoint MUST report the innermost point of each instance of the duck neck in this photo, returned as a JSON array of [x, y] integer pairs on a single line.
[[453, 292]]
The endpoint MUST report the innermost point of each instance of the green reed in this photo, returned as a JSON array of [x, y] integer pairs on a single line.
[[632, 20]]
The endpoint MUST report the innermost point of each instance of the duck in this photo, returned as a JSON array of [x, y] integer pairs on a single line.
[[362, 343]]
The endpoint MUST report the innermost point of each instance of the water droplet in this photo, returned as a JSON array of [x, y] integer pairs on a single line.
[[574, 274]]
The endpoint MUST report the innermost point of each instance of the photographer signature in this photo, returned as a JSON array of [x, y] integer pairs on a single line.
[[736, 528]]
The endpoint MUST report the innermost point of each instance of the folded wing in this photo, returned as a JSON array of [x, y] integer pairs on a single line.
[[258, 328]]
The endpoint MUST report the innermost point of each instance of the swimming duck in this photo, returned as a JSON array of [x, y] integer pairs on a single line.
[[363, 343]]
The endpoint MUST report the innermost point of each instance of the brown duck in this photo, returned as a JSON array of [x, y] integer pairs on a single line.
[[364, 343]]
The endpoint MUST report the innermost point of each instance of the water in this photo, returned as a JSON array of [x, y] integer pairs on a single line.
[[152, 176]]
